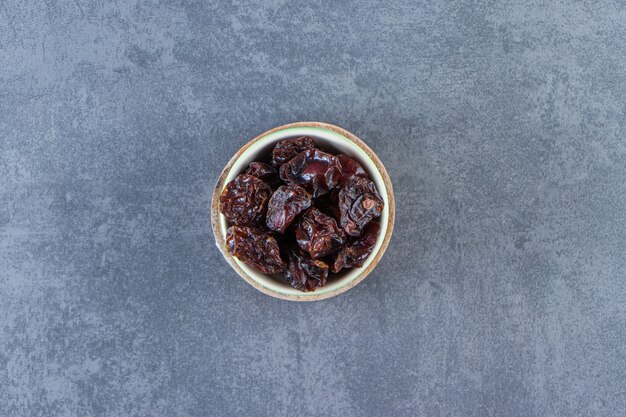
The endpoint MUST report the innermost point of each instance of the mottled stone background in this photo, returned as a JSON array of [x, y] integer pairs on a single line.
[[502, 125]]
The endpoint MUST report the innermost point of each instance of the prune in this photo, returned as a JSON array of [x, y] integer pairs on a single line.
[[304, 273], [318, 234], [286, 203], [355, 254], [312, 169], [255, 248], [359, 202], [244, 200], [264, 172], [288, 148], [349, 169], [304, 213]]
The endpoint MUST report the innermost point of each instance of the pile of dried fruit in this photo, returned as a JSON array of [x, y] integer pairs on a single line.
[[304, 214]]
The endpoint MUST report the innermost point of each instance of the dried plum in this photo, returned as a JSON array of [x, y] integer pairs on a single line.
[[255, 248], [349, 169], [244, 200], [302, 212], [318, 234], [286, 203], [288, 148], [359, 202], [355, 254], [312, 169], [264, 172], [304, 273]]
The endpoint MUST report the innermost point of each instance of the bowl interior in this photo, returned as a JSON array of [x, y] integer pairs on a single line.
[[335, 143]]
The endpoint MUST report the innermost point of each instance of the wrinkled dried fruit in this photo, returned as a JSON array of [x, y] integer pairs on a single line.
[[359, 202], [264, 172], [312, 169], [349, 169], [288, 148], [304, 273], [255, 248], [244, 200], [302, 212], [286, 203], [318, 234], [355, 254]]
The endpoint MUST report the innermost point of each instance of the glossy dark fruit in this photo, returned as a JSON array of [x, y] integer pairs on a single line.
[[286, 203], [359, 202], [312, 169], [244, 200], [304, 213], [288, 148], [355, 253], [304, 273], [318, 234], [255, 248], [349, 169], [264, 172]]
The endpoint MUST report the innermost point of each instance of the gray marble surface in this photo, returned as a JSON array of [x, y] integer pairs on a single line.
[[502, 125]]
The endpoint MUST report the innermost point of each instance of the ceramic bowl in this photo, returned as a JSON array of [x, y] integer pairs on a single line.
[[335, 140]]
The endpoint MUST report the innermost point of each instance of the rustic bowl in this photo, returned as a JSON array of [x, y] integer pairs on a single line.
[[334, 139]]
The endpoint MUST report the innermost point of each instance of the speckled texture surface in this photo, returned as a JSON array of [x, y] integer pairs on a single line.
[[502, 125]]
